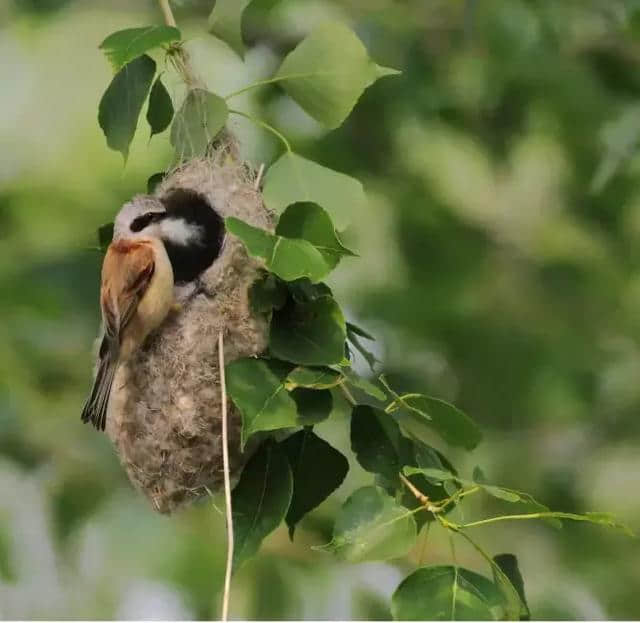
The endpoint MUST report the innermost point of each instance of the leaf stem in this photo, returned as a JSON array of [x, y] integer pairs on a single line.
[[541, 515], [274, 80], [454, 591], [348, 395], [399, 400], [495, 568], [347, 540], [504, 518], [265, 125], [254, 85], [458, 495]]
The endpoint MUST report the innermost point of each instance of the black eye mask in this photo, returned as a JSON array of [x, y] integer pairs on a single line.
[[145, 220]]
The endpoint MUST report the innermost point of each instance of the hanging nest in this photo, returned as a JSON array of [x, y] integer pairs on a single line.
[[165, 409]]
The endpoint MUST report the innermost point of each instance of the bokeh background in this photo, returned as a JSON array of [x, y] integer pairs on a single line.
[[500, 269]]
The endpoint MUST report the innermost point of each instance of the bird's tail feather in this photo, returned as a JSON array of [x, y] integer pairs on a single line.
[[95, 409]]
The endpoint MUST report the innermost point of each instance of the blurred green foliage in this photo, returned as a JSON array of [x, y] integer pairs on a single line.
[[498, 267]]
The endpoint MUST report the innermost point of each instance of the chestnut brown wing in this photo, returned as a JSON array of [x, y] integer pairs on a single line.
[[126, 272]]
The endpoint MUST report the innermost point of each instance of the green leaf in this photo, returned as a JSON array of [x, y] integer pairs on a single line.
[[160, 111], [154, 180], [313, 406], [200, 118], [256, 387], [318, 470], [377, 442], [305, 244], [122, 102], [534, 506], [308, 221], [433, 473], [123, 46], [446, 593], [371, 526], [293, 178], [353, 335], [259, 242], [388, 452], [508, 566], [327, 73], [454, 426], [359, 331], [508, 495], [303, 291], [435, 489], [105, 236], [363, 384], [289, 259], [260, 500], [313, 378], [478, 475], [292, 259], [427, 456], [311, 334], [502, 494], [225, 22], [267, 293], [602, 518], [435, 492]]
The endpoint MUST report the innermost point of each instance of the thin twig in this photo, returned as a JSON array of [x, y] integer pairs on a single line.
[[227, 482], [256, 184], [347, 394], [421, 497], [165, 7], [178, 55]]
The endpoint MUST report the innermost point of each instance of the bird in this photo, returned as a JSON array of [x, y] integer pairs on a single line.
[[136, 295]]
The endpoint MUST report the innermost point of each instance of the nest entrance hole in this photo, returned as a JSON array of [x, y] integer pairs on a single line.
[[192, 257]]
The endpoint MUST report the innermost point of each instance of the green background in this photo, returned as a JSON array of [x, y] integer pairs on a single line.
[[499, 268]]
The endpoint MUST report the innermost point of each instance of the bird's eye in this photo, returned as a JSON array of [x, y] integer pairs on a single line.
[[146, 219]]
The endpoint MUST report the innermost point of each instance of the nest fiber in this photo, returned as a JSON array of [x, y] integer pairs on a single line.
[[165, 410]]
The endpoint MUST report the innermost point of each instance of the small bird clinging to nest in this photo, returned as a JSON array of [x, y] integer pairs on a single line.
[[135, 296]]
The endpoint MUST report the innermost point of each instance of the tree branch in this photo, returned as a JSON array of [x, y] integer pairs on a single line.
[[177, 53]]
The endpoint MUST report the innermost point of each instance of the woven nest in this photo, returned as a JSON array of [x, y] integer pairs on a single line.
[[165, 409]]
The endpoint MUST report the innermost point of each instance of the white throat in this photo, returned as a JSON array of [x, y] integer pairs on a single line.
[[178, 231]]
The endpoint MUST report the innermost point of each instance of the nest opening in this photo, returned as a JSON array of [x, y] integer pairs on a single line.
[[189, 261]]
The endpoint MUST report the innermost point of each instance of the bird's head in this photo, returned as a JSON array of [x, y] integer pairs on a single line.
[[192, 232], [142, 217]]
